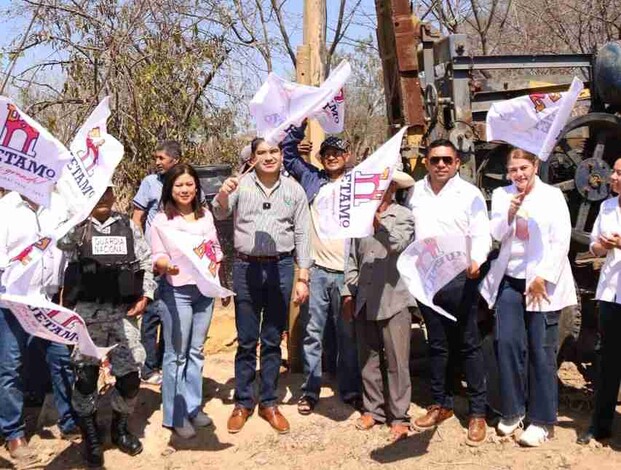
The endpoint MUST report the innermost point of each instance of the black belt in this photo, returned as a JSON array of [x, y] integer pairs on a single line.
[[329, 270], [263, 259]]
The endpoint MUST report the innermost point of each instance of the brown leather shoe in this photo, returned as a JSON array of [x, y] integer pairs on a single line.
[[435, 416], [272, 415], [21, 452], [477, 430], [238, 418], [365, 422], [399, 431]]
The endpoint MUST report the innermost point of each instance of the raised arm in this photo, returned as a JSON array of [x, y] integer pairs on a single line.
[[305, 173], [226, 199], [396, 233]]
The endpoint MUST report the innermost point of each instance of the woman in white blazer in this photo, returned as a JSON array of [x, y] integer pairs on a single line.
[[528, 284], [606, 241]]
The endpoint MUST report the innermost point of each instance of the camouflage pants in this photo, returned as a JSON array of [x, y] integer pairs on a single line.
[[108, 325]]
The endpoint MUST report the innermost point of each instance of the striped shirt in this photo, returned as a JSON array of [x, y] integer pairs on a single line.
[[269, 221]]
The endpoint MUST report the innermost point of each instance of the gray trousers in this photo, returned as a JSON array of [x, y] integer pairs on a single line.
[[108, 325], [384, 355]]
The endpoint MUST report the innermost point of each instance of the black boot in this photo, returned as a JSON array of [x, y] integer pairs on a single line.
[[92, 441], [121, 436]]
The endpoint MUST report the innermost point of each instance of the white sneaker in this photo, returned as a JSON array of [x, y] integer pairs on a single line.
[[506, 427], [186, 431], [201, 420], [534, 436]]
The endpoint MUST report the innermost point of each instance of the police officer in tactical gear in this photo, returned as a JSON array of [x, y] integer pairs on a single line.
[[108, 282]]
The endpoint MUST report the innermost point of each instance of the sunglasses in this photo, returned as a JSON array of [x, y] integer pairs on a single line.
[[444, 159], [335, 154]]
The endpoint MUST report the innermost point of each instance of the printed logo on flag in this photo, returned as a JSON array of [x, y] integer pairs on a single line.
[[69, 323], [87, 159], [52, 322], [427, 265], [429, 252], [274, 119], [19, 143], [24, 256], [365, 187], [332, 107], [539, 100], [90, 157], [209, 248]]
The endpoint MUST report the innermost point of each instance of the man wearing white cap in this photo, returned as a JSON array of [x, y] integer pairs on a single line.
[[378, 300]]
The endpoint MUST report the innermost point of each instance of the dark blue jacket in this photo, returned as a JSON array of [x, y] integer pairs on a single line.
[[309, 176]]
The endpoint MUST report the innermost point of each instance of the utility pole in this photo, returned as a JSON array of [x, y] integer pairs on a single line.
[[311, 70], [314, 38]]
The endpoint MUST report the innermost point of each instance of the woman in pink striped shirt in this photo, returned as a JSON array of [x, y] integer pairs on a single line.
[[189, 312]]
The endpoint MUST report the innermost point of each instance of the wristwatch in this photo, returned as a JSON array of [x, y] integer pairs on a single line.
[[304, 281]]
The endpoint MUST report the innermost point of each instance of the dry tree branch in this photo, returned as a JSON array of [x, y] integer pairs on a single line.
[[277, 9]]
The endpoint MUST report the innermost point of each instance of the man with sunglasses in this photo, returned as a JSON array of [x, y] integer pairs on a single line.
[[326, 277], [444, 204]]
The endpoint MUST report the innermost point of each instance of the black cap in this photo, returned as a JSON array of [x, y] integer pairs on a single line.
[[333, 142]]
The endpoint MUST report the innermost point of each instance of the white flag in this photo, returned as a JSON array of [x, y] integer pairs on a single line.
[[96, 155], [31, 159], [25, 265], [533, 122], [40, 317], [280, 104], [346, 207], [332, 116], [200, 256], [81, 185], [428, 265]]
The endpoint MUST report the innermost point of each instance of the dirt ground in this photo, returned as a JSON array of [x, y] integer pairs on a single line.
[[327, 438]]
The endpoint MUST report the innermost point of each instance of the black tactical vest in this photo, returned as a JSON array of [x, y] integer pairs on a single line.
[[106, 270]]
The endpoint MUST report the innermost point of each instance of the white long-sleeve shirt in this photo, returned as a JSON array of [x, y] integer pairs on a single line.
[[608, 222], [22, 225], [549, 235], [459, 208]]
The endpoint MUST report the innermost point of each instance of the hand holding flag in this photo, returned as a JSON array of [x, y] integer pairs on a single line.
[[280, 104]]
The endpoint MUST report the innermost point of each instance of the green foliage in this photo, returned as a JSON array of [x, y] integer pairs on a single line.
[[156, 62]]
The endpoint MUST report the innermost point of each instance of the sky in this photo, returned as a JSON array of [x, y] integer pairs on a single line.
[[294, 8], [363, 26]]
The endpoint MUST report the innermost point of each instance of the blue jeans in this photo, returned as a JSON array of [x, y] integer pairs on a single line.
[[13, 342], [526, 346], [451, 342], [325, 304], [186, 322], [151, 319], [261, 308], [609, 374]]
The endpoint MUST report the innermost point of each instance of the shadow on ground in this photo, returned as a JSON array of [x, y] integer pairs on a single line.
[[414, 446]]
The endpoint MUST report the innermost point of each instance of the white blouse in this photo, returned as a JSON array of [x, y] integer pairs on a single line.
[[608, 222], [547, 234]]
